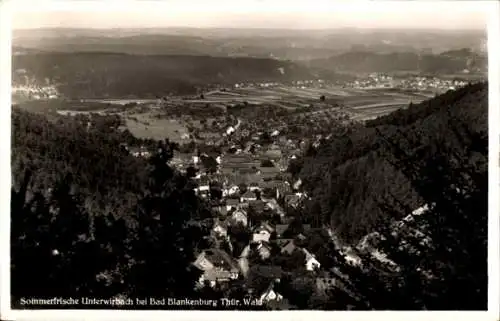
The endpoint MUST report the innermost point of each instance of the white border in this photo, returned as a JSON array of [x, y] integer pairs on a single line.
[[245, 6], [494, 159]]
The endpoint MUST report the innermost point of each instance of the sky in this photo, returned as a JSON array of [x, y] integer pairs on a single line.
[[290, 14]]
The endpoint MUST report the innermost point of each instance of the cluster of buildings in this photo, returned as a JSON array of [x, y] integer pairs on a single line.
[[430, 83], [376, 80], [35, 92], [268, 226], [27, 88]]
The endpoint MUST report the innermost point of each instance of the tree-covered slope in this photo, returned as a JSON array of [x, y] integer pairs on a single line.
[[348, 177], [95, 221]]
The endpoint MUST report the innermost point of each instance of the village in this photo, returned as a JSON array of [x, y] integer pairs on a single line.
[[417, 83], [258, 237], [255, 202], [256, 229]]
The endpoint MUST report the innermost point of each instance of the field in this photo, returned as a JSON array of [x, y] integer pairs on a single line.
[[145, 125], [141, 118], [362, 104]]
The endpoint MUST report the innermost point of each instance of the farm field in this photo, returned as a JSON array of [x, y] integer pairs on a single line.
[[142, 120], [292, 97], [145, 125]]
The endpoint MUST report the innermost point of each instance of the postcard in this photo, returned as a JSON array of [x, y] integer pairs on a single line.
[[211, 159]]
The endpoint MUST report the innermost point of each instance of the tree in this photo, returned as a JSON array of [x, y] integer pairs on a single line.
[[266, 163], [210, 164], [215, 191], [167, 233], [242, 188], [442, 251]]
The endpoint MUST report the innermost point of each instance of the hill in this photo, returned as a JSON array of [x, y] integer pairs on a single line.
[[99, 75], [84, 211], [450, 62], [349, 177], [254, 42]]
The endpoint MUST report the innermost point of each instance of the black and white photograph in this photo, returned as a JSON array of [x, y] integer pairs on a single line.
[[253, 156]]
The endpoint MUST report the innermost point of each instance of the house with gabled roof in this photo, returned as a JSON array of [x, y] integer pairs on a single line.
[[220, 228], [292, 201], [261, 234], [240, 216], [219, 210], [288, 247], [280, 229], [264, 250], [232, 203], [248, 197], [253, 187], [311, 262], [268, 226], [217, 266], [231, 190], [270, 295]]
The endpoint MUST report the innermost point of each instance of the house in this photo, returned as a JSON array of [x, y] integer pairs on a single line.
[[301, 237], [217, 266], [243, 261], [202, 190], [311, 262], [282, 242], [203, 263], [248, 197], [263, 272], [261, 234], [233, 189], [268, 172], [256, 210], [273, 154], [292, 201], [288, 247], [253, 187], [324, 284], [273, 205], [248, 171], [268, 227], [280, 229], [283, 189], [297, 184], [220, 228], [264, 250], [216, 276], [240, 216], [270, 295], [232, 203], [350, 256], [220, 210]]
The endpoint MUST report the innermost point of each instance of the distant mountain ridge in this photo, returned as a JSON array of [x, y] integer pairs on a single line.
[[101, 74], [277, 43], [454, 61]]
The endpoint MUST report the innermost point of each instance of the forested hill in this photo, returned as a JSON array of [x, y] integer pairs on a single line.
[[94, 220], [365, 61], [351, 178], [99, 74]]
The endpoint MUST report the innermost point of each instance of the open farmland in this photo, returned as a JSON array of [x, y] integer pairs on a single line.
[[146, 118], [292, 97], [147, 126]]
